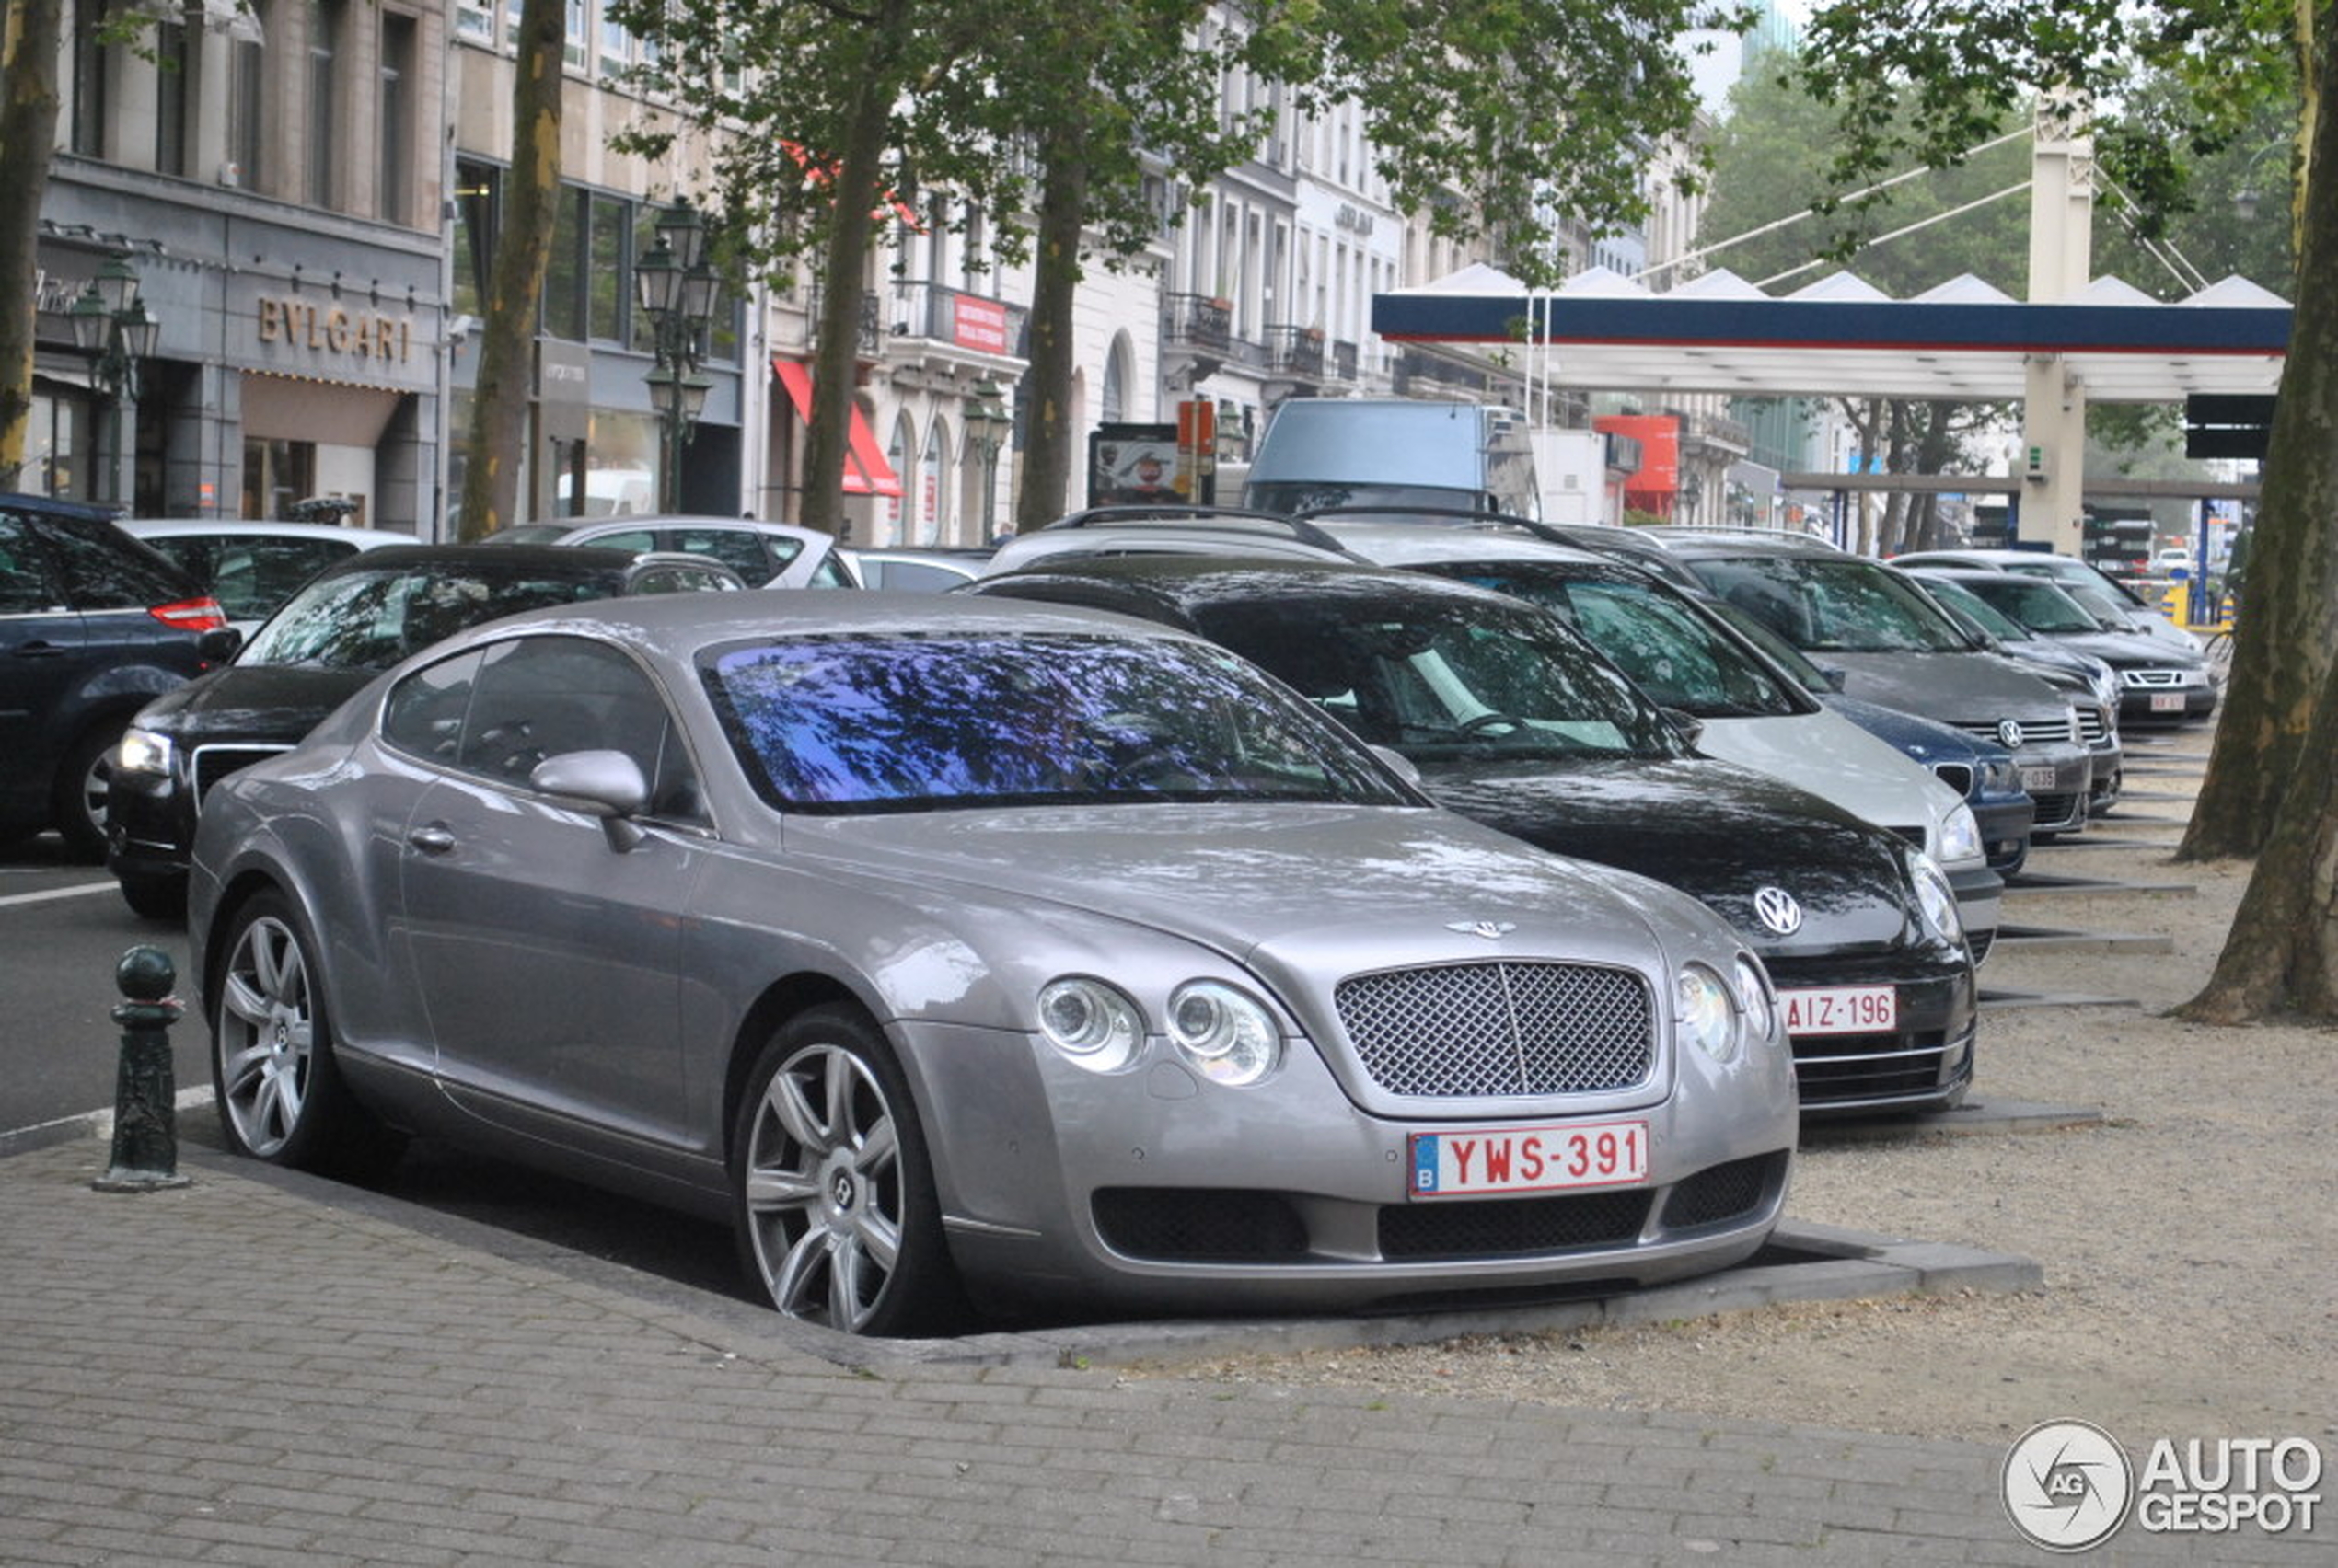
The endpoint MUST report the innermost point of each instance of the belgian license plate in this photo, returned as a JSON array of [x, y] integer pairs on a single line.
[[2167, 702], [1485, 1160], [1842, 1010], [2037, 778]]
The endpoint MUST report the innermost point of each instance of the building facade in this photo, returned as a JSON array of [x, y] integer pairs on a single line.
[[271, 176], [309, 192]]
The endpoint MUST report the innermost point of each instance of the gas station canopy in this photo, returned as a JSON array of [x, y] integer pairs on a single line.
[[1963, 341]]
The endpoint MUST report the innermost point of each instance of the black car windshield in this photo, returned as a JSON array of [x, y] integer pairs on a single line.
[[370, 619], [1963, 602], [2037, 605], [850, 724], [1440, 676], [1648, 631], [1834, 605]]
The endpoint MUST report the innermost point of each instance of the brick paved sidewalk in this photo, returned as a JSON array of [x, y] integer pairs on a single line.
[[261, 1368]]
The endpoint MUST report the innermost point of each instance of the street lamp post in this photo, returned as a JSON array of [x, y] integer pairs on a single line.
[[112, 323], [676, 288], [988, 423]]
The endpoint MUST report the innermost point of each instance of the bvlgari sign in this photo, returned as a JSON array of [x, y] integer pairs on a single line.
[[335, 331]]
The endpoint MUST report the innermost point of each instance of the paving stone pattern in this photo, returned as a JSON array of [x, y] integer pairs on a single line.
[[264, 1370]]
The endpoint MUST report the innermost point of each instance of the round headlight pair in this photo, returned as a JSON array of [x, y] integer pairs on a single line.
[[1934, 897], [1222, 1034]]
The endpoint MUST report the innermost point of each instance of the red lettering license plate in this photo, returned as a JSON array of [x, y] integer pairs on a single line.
[[1842, 1010], [1527, 1159], [2167, 702]]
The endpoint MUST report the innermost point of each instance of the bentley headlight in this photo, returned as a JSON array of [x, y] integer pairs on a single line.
[[1960, 834], [142, 750], [1754, 996], [1936, 897], [1224, 1035], [1708, 1016], [1089, 1021]]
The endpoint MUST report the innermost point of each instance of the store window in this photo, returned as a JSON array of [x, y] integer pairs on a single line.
[[478, 207], [563, 314], [276, 474], [892, 524], [932, 499]]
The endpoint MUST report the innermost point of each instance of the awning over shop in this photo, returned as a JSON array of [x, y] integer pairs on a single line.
[[1963, 340], [865, 471]]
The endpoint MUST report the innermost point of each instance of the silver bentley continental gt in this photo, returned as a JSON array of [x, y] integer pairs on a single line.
[[979, 955]]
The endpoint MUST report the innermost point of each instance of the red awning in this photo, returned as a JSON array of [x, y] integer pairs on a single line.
[[865, 471]]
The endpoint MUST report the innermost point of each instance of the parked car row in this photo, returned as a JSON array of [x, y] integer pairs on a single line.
[[1191, 908]]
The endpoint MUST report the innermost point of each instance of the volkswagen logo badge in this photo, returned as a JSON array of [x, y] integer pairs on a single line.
[[2009, 734], [1779, 911], [1492, 930]]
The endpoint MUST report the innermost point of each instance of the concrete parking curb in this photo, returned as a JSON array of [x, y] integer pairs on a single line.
[[1803, 1262]]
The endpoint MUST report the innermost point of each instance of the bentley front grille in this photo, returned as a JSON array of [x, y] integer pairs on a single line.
[[1467, 1030]]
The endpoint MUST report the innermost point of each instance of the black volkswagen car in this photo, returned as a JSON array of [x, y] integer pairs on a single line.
[[1511, 717], [352, 621]]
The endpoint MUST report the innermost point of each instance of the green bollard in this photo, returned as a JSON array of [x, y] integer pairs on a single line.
[[146, 1127]]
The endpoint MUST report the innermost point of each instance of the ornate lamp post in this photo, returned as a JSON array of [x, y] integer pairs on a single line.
[[988, 424], [676, 289], [112, 323]]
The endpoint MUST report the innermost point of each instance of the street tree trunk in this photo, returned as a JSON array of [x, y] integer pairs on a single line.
[[499, 423], [27, 136], [858, 188], [2274, 765], [2288, 625], [2280, 960], [1047, 452]]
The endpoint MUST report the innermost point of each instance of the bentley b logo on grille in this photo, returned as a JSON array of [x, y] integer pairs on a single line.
[[2009, 734], [1492, 930], [1778, 910]]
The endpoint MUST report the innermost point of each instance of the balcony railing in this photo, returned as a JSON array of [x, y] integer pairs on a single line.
[[1295, 352], [1716, 430], [958, 318], [868, 341], [1198, 321]]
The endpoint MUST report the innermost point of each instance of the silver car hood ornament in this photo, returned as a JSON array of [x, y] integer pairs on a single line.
[[1779, 911], [1492, 930]]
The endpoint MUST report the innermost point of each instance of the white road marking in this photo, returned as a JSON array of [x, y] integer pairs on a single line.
[[55, 892]]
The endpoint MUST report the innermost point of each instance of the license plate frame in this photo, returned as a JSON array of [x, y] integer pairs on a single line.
[[1824, 1011], [1551, 1156]]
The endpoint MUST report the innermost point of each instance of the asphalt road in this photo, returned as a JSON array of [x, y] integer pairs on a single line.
[[62, 929]]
